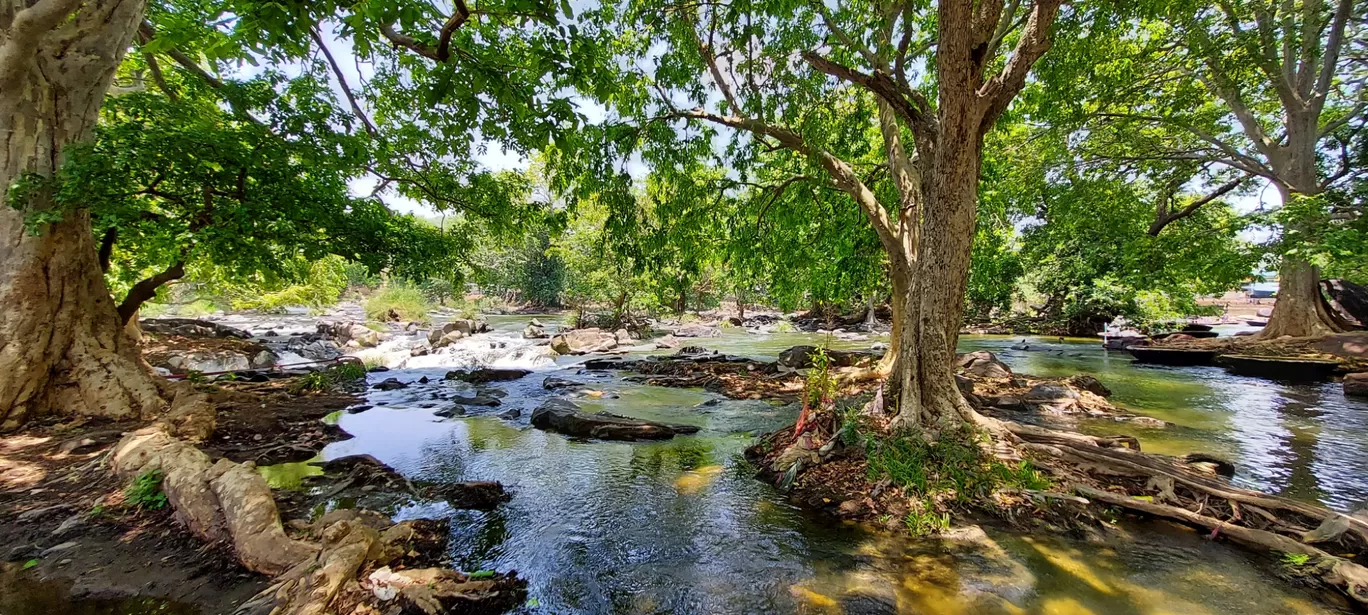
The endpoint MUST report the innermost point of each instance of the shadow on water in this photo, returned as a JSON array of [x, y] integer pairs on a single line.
[[682, 527]]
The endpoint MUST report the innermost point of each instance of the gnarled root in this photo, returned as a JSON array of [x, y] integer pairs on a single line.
[[231, 503]]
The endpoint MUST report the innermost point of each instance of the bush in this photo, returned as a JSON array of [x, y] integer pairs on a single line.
[[320, 286], [408, 302]]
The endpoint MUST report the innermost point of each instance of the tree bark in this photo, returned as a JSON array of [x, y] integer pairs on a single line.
[[1300, 309], [146, 289], [62, 346]]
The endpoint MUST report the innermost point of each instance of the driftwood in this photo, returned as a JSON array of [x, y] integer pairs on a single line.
[[1173, 489]]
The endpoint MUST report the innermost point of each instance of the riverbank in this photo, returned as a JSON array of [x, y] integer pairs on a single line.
[[681, 525]]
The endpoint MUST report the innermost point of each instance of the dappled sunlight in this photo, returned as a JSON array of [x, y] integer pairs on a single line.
[[693, 481], [20, 474]]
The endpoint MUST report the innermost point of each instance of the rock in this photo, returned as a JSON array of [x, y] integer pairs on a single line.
[[69, 524], [484, 375], [1090, 384], [565, 417], [23, 553], [377, 369], [533, 332], [965, 385], [697, 331], [476, 495], [624, 337], [1006, 402], [208, 362], [799, 357], [510, 414], [607, 363], [264, 359], [448, 339], [1049, 392], [583, 341], [361, 334], [390, 384], [188, 327], [980, 366], [359, 409], [1356, 384], [453, 411], [478, 400], [552, 383], [667, 342]]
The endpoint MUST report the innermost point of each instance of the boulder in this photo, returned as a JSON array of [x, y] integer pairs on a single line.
[[510, 414], [264, 359], [361, 334], [984, 364], [477, 400], [487, 374], [533, 332], [551, 383], [1049, 392], [624, 337], [477, 495], [390, 384], [801, 357], [566, 418], [1089, 384], [666, 342], [697, 331], [448, 339], [453, 411], [583, 341], [1356, 384]]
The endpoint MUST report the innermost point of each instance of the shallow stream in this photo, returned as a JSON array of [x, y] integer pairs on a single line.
[[682, 527]]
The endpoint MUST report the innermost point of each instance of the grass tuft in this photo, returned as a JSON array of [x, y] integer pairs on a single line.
[[409, 302], [145, 491]]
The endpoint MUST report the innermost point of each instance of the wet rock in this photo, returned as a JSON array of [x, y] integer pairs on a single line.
[[667, 342], [264, 359], [390, 384], [552, 383], [451, 412], [359, 409], [510, 414], [533, 332], [377, 369], [447, 339], [1090, 384], [567, 418], [477, 400], [584, 341], [607, 363], [1356, 385], [475, 495], [484, 375], [361, 334], [697, 331]]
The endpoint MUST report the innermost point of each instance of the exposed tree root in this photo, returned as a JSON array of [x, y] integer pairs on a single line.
[[320, 573]]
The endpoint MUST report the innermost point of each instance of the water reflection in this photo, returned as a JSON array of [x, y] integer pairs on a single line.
[[682, 527]]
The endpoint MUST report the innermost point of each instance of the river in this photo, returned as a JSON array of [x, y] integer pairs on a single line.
[[682, 527]]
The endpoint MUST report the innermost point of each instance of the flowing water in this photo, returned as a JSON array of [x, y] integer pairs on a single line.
[[682, 526]]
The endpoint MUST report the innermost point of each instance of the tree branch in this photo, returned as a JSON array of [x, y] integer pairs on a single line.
[[25, 31], [154, 67], [342, 82], [442, 53], [111, 235], [1165, 218], [147, 289], [908, 105], [999, 91]]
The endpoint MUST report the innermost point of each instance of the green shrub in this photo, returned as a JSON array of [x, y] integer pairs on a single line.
[[145, 491], [408, 302]]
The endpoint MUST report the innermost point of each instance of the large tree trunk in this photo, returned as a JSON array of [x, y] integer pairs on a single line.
[[62, 345], [1300, 309]]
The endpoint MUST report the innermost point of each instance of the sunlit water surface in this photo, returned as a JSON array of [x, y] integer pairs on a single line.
[[682, 526]]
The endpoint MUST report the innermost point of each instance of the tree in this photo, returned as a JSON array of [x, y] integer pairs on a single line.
[[500, 70], [858, 70], [1232, 91]]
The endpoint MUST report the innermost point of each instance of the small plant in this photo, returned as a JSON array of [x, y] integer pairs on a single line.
[[311, 382], [924, 522], [403, 300], [1296, 560], [29, 564], [145, 491], [195, 376], [347, 372], [785, 326]]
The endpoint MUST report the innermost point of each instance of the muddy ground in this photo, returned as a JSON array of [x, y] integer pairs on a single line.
[[68, 524]]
